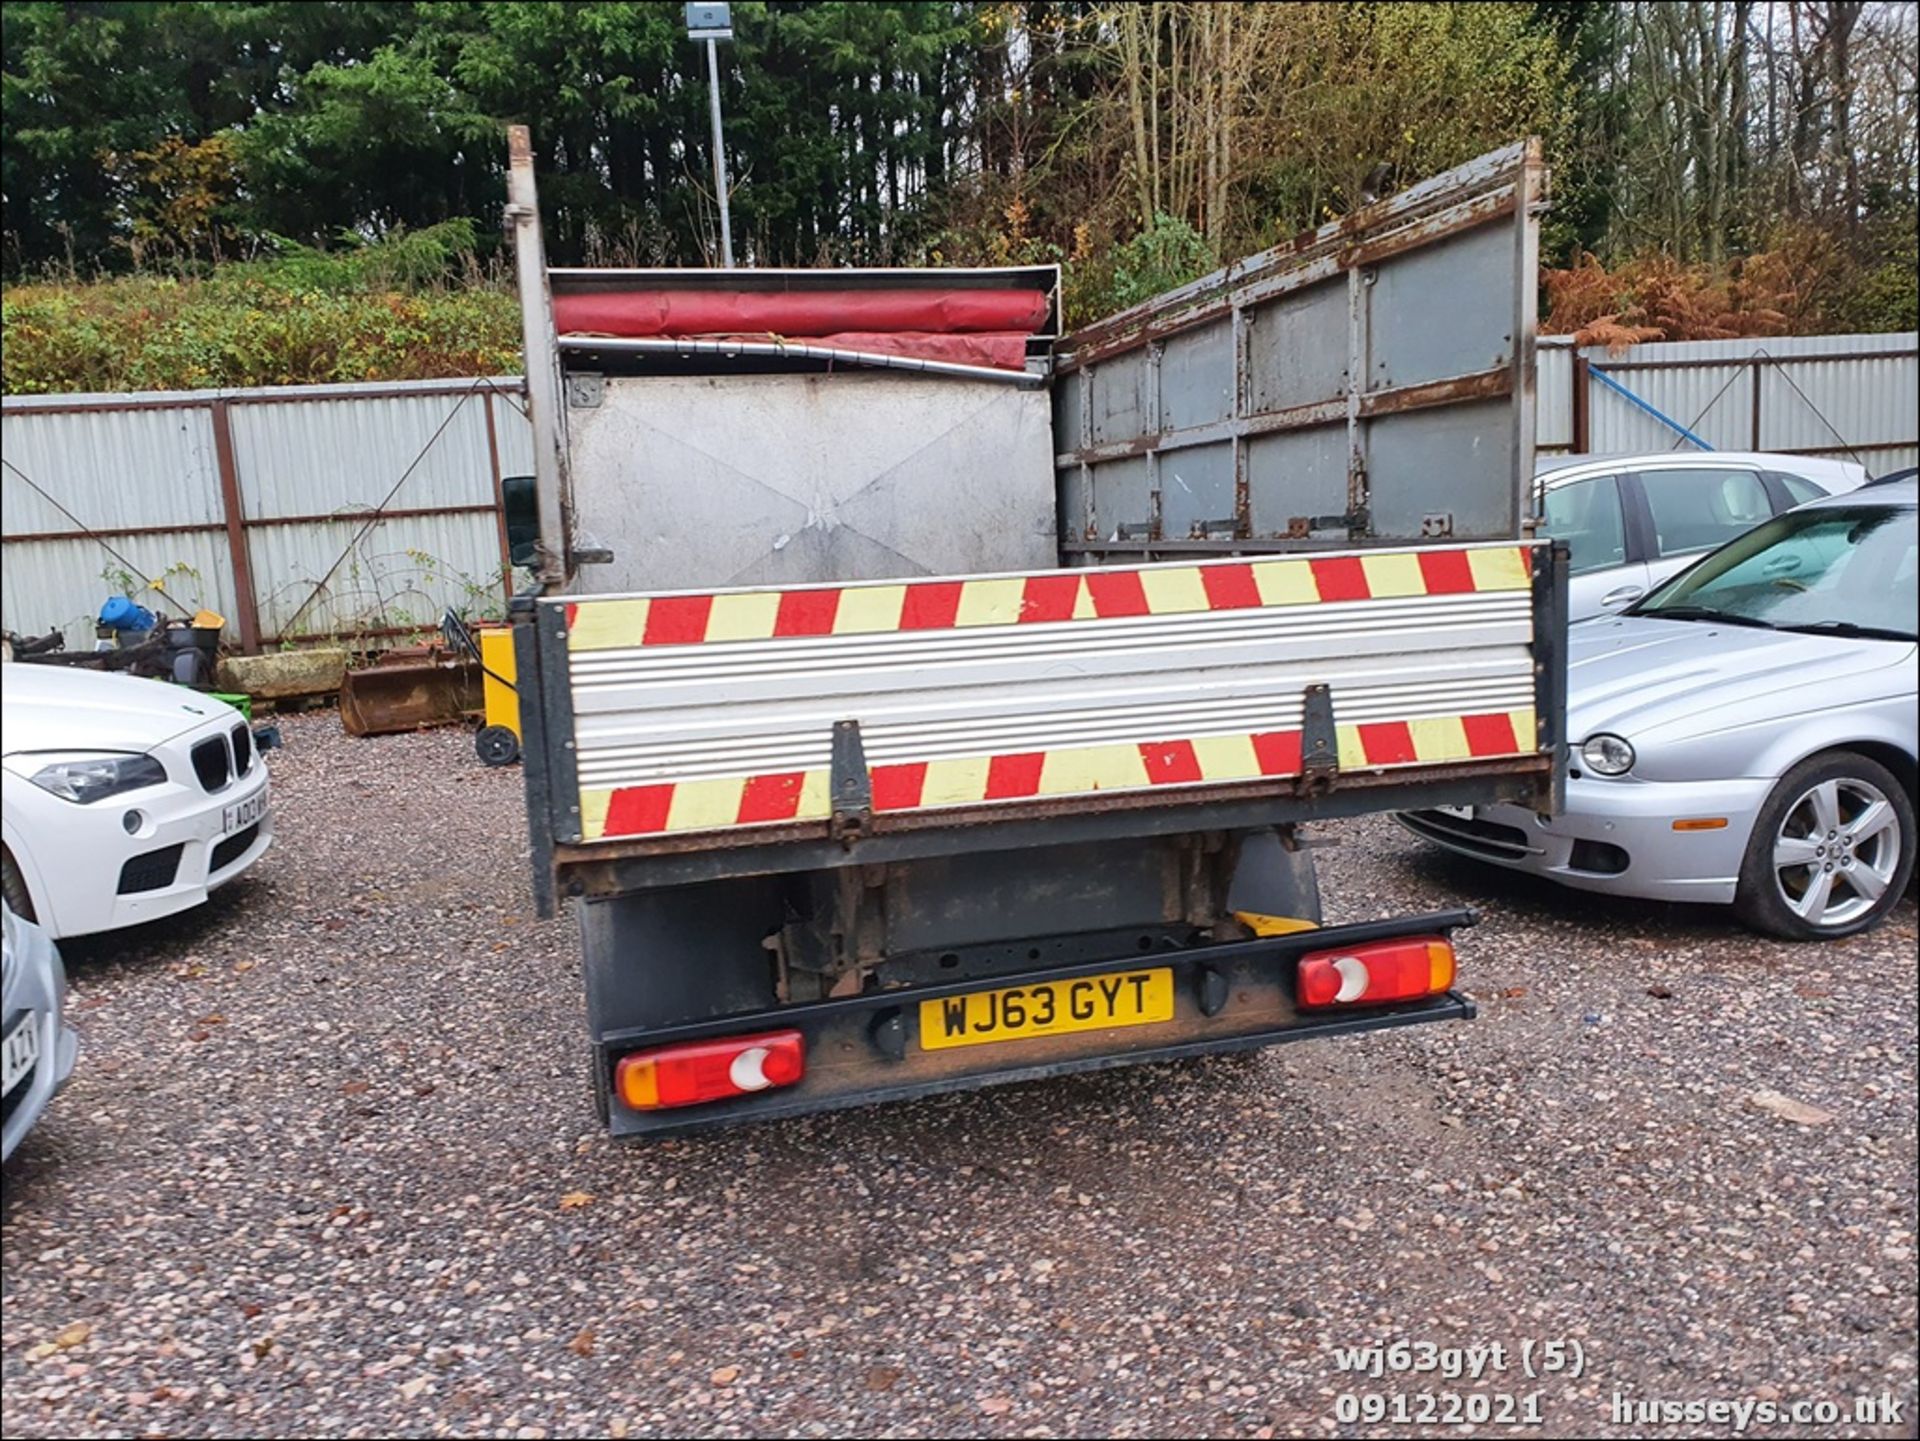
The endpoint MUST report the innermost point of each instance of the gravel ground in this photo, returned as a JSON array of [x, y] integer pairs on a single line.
[[329, 1165]]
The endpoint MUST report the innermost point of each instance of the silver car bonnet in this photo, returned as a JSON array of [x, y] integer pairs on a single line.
[[1640, 677]]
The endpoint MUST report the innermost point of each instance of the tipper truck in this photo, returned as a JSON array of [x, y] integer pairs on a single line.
[[915, 698]]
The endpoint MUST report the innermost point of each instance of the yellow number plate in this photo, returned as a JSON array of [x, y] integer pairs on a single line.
[[1051, 1008]]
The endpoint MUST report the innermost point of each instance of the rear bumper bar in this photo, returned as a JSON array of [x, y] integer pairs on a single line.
[[1234, 996]]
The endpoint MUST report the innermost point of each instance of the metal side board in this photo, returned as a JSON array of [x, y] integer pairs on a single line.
[[697, 735], [1369, 382]]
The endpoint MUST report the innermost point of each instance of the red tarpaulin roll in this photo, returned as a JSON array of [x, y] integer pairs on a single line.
[[799, 315]]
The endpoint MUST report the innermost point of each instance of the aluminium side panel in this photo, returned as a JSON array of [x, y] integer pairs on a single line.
[[1368, 382], [784, 479], [702, 717]]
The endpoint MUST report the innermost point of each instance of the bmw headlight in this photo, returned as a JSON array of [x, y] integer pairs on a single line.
[[86, 779], [1607, 755]]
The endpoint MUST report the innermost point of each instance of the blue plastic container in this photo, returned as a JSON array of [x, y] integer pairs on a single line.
[[121, 614]]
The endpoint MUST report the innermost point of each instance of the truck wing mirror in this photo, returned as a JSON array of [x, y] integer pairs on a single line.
[[523, 518]]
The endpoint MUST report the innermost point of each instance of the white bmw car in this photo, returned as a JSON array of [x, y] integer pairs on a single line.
[[123, 800]]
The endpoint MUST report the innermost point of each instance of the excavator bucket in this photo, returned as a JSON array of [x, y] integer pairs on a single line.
[[407, 690]]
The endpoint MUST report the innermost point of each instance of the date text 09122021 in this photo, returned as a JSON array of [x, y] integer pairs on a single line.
[[1440, 1408]]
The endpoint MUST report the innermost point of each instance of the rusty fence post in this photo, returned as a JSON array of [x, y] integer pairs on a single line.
[[1582, 397], [499, 498], [235, 516]]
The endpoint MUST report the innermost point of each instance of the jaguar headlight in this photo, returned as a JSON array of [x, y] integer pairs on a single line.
[[1607, 755]]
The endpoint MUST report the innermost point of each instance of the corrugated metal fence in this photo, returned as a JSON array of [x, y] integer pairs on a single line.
[[1854, 397], [296, 512], [362, 511]]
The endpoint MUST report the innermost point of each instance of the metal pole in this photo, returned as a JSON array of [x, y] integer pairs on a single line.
[[1582, 403], [719, 153], [546, 410]]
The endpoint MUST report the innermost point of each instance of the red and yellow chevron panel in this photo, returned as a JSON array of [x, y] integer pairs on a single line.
[[724, 803], [1066, 595]]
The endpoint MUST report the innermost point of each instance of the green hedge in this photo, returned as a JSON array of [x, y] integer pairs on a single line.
[[154, 333]]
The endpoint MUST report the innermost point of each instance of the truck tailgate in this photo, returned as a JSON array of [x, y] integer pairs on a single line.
[[704, 719]]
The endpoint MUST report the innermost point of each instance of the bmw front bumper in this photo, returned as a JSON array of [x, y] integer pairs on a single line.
[[86, 873]]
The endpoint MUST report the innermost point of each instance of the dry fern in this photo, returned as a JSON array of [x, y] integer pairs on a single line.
[[1608, 330], [1654, 297]]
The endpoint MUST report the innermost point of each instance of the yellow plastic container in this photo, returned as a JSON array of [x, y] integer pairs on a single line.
[[498, 741]]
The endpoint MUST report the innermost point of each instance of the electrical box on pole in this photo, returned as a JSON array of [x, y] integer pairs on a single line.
[[714, 23]]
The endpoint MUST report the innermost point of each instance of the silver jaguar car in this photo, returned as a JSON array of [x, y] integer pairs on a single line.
[[39, 1045], [1746, 734]]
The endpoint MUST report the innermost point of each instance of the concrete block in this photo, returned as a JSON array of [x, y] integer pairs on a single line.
[[285, 672]]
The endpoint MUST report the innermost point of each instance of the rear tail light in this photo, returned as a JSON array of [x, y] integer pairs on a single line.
[[714, 1070], [1374, 974]]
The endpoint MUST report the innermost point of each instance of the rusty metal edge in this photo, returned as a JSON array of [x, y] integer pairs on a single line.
[[1364, 237], [263, 395], [198, 527], [1485, 172], [1844, 449], [1077, 352], [254, 522], [350, 517], [902, 822], [1627, 362], [587, 875], [1530, 198], [1480, 385]]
